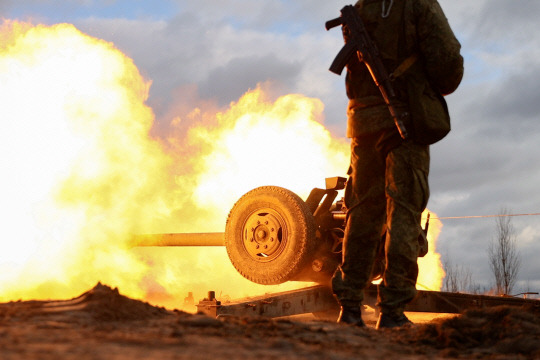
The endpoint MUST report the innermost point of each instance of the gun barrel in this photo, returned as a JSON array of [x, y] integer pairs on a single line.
[[179, 239]]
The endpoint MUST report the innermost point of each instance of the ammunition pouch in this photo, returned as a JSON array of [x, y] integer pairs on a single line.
[[429, 116]]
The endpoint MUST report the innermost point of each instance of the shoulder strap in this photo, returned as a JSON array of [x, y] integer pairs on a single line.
[[403, 45], [404, 66]]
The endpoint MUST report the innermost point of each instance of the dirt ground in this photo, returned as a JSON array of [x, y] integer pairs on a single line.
[[103, 324]]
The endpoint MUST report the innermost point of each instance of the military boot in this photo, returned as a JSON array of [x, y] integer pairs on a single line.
[[389, 321], [351, 315]]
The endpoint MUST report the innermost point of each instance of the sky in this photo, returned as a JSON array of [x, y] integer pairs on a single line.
[[214, 51]]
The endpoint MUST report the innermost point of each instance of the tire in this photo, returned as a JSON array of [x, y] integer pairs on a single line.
[[270, 235]]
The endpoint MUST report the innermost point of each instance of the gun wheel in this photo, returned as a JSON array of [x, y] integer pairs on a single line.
[[270, 235]]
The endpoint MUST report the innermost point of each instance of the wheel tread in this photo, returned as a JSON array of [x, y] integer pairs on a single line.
[[305, 231]]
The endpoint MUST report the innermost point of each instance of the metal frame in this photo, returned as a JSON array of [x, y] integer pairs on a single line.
[[319, 299]]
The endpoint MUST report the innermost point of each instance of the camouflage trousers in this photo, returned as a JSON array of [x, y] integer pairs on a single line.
[[386, 194]]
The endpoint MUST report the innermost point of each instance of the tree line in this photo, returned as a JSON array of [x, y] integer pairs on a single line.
[[504, 262]]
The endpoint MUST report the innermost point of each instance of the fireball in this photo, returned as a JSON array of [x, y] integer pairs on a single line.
[[82, 174]]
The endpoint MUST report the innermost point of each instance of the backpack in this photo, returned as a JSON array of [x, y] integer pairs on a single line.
[[429, 119]]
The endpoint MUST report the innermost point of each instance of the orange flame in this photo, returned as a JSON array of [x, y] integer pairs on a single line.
[[76, 157], [431, 272], [82, 173]]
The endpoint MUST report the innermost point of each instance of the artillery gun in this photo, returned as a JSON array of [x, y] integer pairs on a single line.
[[273, 236]]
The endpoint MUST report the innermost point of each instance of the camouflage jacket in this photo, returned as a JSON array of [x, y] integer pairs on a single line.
[[416, 28]]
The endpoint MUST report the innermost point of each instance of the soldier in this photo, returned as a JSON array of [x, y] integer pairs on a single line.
[[388, 188]]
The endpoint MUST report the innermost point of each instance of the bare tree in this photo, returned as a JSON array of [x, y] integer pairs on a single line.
[[450, 282], [504, 259], [458, 278]]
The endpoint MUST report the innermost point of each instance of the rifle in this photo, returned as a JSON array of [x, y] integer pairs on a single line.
[[361, 44]]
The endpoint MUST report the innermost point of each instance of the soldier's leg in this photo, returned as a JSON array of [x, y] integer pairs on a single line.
[[365, 201], [407, 191]]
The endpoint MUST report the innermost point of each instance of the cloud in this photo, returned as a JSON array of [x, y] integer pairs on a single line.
[[516, 99], [500, 19], [215, 52], [223, 59], [230, 81]]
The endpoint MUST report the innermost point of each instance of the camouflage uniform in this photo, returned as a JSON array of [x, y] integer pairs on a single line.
[[388, 177]]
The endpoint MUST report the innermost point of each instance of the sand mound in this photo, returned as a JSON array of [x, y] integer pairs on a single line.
[[101, 303], [502, 330], [106, 304]]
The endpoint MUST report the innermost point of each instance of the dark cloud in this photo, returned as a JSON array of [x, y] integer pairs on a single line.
[[502, 19], [516, 98], [229, 82]]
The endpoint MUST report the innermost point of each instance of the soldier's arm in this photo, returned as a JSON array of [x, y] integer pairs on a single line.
[[356, 71], [439, 46]]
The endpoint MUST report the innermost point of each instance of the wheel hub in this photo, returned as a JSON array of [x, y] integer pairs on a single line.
[[263, 235]]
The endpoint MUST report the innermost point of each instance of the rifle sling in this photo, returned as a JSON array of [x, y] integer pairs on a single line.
[[404, 66]]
